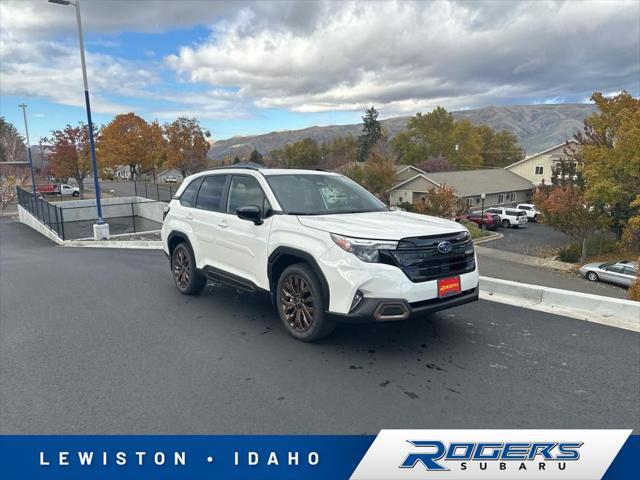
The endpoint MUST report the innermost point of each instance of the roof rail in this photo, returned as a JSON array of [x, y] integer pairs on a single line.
[[246, 165]]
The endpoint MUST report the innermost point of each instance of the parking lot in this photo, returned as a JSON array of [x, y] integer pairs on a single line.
[[100, 341], [534, 239]]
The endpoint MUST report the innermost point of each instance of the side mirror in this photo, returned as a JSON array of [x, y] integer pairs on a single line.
[[251, 213]]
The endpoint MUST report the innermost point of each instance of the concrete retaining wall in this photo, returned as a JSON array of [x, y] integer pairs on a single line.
[[585, 306], [79, 210], [31, 221]]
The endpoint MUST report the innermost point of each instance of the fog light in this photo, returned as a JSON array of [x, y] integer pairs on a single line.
[[357, 298]]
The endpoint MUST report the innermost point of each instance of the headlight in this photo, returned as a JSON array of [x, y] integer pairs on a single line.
[[366, 250]]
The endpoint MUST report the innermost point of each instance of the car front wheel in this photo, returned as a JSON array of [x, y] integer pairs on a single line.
[[300, 304], [506, 223], [592, 276], [187, 278]]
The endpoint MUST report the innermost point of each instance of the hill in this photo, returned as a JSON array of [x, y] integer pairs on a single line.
[[537, 127]]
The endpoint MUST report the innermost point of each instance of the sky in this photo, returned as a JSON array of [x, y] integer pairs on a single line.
[[246, 68]]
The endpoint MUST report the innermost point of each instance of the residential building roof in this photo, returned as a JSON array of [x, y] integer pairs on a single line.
[[468, 183], [531, 157]]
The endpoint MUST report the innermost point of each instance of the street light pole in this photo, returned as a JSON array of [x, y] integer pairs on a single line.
[[26, 131], [482, 196], [100, 229]]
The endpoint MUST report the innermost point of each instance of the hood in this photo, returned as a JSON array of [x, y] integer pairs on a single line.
[[387, 225]]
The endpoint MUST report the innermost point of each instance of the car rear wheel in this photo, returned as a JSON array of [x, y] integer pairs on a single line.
[[187, 278], [592, 276], [300, 304], [506, 223], [75, 194]]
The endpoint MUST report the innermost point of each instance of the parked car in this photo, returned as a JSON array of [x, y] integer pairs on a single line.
[[530, 209], [488, 221], [622, 273], [509, 217], [324, 248]]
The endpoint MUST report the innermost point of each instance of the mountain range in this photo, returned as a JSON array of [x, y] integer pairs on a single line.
[[538, 127]]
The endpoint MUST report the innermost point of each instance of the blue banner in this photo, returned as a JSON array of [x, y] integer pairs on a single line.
[[338, 457]]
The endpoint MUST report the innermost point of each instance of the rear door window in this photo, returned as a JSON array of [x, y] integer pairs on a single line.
[[245, 191], [512, 212], [211, 193], [630, 271], [188, 197]]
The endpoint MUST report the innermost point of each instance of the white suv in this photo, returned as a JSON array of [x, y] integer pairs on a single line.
[[509, 217], [530, 209], [323, 247]]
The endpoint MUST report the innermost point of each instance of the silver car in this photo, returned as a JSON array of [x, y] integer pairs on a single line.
[[622, 273]]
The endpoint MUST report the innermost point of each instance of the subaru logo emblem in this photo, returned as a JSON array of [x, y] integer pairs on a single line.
[[445, 247]]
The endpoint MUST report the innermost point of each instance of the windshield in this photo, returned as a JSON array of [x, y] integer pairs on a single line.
[[305, 194]]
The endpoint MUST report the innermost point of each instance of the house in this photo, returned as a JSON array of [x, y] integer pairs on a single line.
[[537, 168], [172, 174], [123, 172], [500, 186]]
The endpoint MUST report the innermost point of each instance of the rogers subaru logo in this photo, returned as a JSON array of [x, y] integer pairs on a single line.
[[445, 247], [433, 454]]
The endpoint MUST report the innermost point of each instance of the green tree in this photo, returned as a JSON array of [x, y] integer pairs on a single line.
[[499, 149], [467, 145], [427, 135], [378, 173], [187, 145], [371, 133], [256, 157]]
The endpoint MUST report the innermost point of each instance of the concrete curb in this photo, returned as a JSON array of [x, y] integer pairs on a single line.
[[526, 259], [610, 311], [137, 244], [493, 236]]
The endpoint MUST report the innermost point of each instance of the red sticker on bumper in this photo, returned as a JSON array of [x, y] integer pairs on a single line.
[[448, 286]]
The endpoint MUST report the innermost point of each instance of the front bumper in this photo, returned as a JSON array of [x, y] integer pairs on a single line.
[[346, 275], [389, 309]]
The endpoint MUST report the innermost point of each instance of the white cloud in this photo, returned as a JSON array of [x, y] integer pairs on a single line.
[[407, 56]]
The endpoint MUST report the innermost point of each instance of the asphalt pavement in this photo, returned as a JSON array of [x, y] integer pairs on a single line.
[[533, 238], [100, 341]]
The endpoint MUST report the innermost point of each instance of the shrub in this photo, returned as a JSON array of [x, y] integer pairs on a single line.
[[571, 253], [474, 230]]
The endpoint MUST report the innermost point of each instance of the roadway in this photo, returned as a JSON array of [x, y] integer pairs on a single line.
[[100, 341]]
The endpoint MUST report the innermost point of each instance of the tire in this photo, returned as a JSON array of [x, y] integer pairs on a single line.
[[506, 223], [75, 194], [188, 280], [299, 302], [535, 218], [483, 226], [592, 276]]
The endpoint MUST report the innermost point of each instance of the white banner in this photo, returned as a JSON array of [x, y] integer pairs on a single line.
[[490, 454]]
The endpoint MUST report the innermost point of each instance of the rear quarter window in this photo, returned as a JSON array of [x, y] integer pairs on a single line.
[[188, 197]]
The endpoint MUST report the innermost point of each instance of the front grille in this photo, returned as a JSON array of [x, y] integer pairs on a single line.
[[420, 260]]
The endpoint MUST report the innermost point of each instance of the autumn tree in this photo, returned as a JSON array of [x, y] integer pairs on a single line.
[[187, 145], [70, 153], [440, 202], [378, 173], [567, 209], [157, 147], [371, 133], [12, 176], [338, 151], [610, 149], [129, 140], [302, 154], [12, 145]]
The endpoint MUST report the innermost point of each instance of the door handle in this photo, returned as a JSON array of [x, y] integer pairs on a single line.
[[188, 216], [223, 224]]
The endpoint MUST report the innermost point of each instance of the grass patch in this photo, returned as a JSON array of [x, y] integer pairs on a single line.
[[474, 230]]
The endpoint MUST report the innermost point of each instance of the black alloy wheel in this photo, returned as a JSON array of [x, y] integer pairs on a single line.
[[300, 304], [187, 278]]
